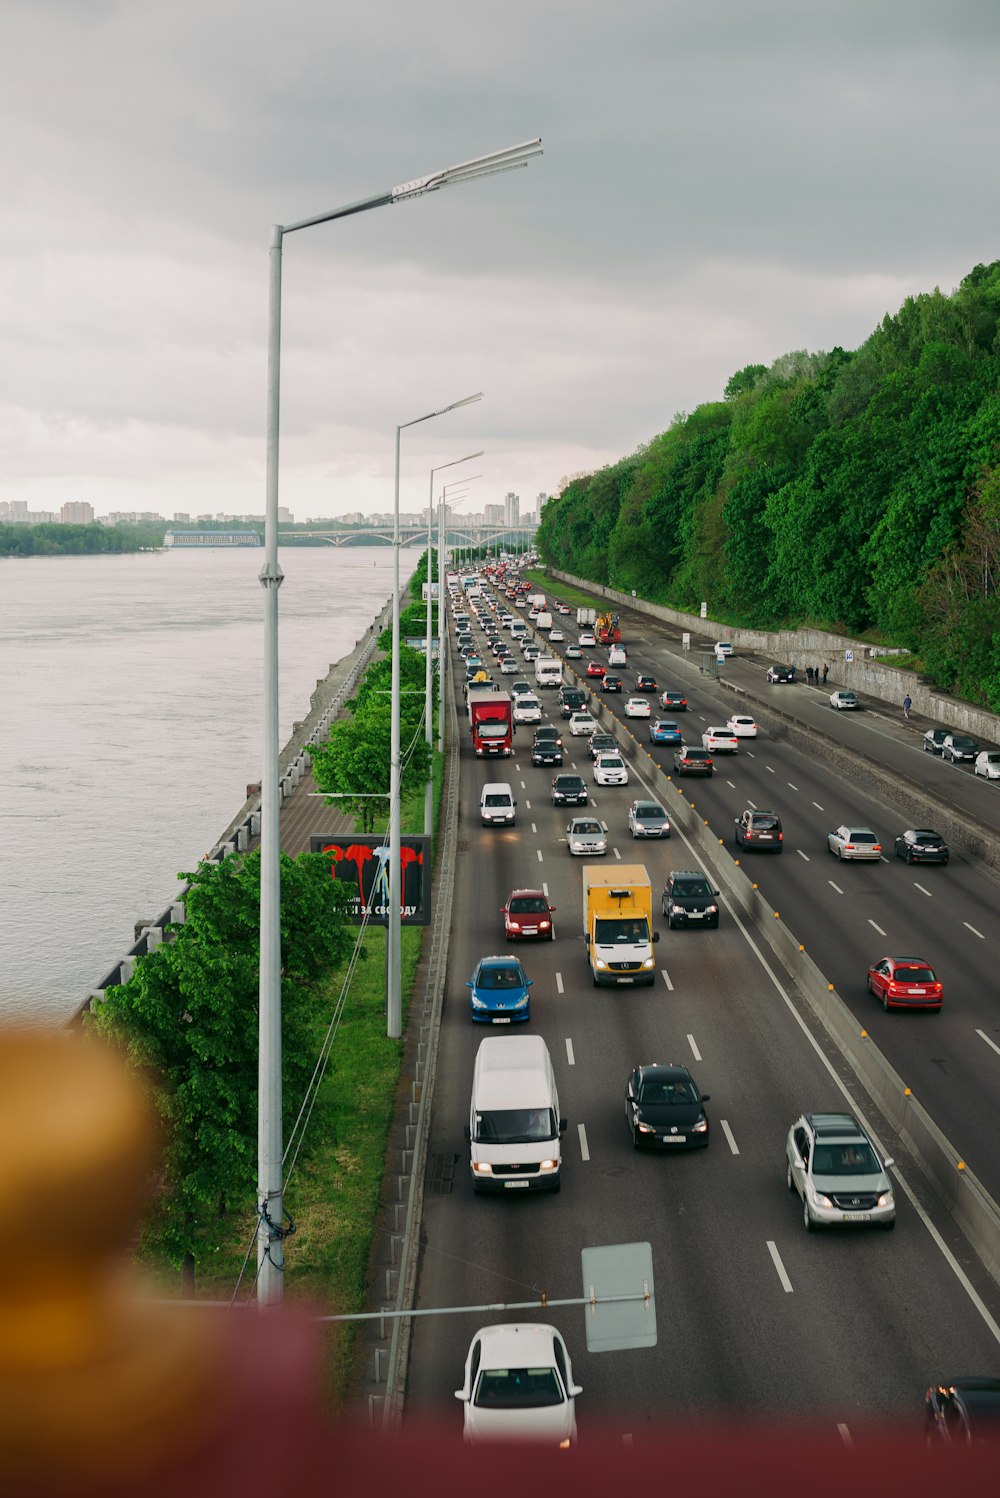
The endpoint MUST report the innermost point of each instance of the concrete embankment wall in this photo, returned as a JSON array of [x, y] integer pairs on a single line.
[[816, 647], [326, 703]]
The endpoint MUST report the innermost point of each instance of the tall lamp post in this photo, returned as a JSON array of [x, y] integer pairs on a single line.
[[428, 675], [270, 1199]]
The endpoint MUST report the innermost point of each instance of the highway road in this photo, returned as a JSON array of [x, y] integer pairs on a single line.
[[755, 1317]]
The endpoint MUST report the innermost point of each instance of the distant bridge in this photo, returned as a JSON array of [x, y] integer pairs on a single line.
[[414, 535]]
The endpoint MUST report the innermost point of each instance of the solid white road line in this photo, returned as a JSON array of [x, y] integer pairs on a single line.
[[875, 926], [694, 1049], [845, 1436], [922, 890], [729, 1136], [835, 886], [974, 931], [786, 1283], [570, 1058], [584, 1151], [992, 1044], [802, 855], [559, 983], [666, 978]]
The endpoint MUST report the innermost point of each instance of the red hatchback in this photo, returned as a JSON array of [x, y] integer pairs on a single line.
[[528, 913], [904, 983], [594, 668]]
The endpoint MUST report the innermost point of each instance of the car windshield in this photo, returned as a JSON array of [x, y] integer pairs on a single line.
[[588, 829], [649, 810], [500, 977], [675, 1091], [610, 762], [845, 1160], [958, 741], [516, 1126], [529, 905], [568, 783], [518, 1389], [913, 975], [688, 888], [492, 730], [497, 800], [621, 930]]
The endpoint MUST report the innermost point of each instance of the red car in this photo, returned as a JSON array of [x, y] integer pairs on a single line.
[[594, 668], [528, 913], [904, 983]]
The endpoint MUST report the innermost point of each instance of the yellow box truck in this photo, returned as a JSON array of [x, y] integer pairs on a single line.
[[618, 924]]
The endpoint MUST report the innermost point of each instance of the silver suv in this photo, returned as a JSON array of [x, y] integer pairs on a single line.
[[835, 1168]]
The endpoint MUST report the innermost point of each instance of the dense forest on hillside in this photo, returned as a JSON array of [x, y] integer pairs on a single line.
[[852, 491]]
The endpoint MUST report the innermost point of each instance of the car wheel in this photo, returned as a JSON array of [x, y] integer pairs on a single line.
[[670, 921], [885, 1001], [908, 855], [810, 1226], [557, 1185], [788, 1177], [840, 854]]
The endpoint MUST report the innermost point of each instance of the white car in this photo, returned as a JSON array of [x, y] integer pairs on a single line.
[[556, 635], [582, 724], [988, 764], [508, 666], [844, 701], [637, 707], [742, 726], [587, 637], [854, 842], [574, 653], [722, 647], [720, 741], [617, 656], [518, 1386], [610, 769], [527, 708]]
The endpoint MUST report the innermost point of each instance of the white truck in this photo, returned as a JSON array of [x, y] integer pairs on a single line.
[[586, 616], [548, 671], [536, 600]]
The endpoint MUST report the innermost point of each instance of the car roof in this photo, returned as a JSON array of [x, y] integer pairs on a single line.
[[835, 1126], [499, 959], [516, 894], [686, 874], [650, 806], [517, 1344], [664, 1072]]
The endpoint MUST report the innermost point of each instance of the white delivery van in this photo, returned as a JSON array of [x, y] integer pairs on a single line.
[[497, 804], [544, 620], [514, 1125], [548, 672], [617, 656]]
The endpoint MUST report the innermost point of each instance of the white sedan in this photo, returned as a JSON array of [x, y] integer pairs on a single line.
[[723, 647], [587, 637], [556, 635], [844, 700], [527, 708], [508, 666], [574, 653], [720, 741], [610, 769], [742, 726], [582, 724], [518, 1386], [854, 842], [637, 707]]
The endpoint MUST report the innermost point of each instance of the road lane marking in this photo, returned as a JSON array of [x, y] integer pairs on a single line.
[[527, 805], [992, 1044], [817, 806], [786, 1283], [802, 855], [584, 1151], [769, 769], [974, 931], [835, 886], [731, 785], [922, 890], [522, 785], [533, 827], [751, 754], [729, 1136], [559, 983], [752, 805], [616, 853], [694, 1049], [876, 927], [790, 786], [570, 1058], [539, 855], [845, 1436], [666, 978], [545, 889]]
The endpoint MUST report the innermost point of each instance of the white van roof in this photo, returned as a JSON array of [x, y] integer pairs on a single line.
[[512, 1071], [497, 788]]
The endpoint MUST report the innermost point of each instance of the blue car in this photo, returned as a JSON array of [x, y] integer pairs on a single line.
[[664, 731], [499, 991]]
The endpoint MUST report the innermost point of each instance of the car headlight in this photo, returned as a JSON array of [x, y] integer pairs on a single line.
[[599, 962], [577, 847], [645, 1128], [477, 1002], [480, 1168], [677, 909], [548, 1165], [885, 1200], [701, 1127], [649, 962], [712, 909], [522, 1002], [817, 1198]]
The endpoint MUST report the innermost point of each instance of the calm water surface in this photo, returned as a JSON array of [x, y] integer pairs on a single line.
[[130, 710]]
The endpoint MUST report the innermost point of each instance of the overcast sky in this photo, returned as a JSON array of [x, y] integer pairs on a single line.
[[723, 181]]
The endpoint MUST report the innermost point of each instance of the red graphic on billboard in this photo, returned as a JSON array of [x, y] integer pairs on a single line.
[[363, 862]]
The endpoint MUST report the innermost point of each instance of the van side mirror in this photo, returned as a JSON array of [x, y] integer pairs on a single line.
[[562, 1126], [705, 1098], [887, 1162], [468, 982], [468, 1134], [461, 1394]]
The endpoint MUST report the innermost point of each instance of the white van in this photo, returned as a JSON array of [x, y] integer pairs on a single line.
[[617, 656], [514, 1125], [497, 804]]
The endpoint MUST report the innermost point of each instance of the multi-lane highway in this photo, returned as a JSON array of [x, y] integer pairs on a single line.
[[755, 1317]]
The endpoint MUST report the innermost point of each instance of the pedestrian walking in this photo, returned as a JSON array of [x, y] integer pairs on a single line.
[[907, 704], [826, 672], [791, 673], [809, 675]]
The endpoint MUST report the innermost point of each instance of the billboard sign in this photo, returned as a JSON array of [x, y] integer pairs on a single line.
[[363, 862]]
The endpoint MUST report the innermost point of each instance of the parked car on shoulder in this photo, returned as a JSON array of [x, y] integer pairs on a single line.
[[988, 764], [780, 675], [933, 739], [922, 845], [959, 748]]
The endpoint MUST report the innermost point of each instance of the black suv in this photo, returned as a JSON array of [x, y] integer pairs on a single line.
[[611, 683], [546, 748], [569, 790], [689, 899], [571, 700], [603, 743], [759, 829], [693, 762]]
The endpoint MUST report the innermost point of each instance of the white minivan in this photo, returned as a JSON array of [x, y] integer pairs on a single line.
[[497, 804], [514, 1125]]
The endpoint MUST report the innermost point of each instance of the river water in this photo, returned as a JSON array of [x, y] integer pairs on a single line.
[[130, 712]]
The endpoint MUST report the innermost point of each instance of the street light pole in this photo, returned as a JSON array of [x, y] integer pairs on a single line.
[[270, 1195]]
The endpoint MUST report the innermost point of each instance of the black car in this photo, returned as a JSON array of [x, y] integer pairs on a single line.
[[675, 701], [693, 761], [689, 899], [603, 743], [569, 790], [759, 829], [922, 845], [546, 750], [571, 700], [645, 683], [664, 1108], [611, 683], [780, 675], [933, 740], [958, 747], [962, 1412]]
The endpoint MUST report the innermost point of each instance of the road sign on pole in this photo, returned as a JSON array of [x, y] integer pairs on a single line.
[[619, 1269]]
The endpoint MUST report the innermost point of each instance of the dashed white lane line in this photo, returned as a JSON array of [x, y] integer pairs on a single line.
[[991, 1043], [559, 983], [539, 855], [922, 890], [751, 754], [527, 805], [545, 888], [617, 854], [731, 784], [802, 855], [790, 786], [570, 1058], [786, 1283], [817, 806], [729, 1136], [666, 978], [533, 827], [769, 769], [876, 926], [974, 931], [845, 1436], [694, 1049], [584, 1150], [752, 805], [522, 785], [835, 886]]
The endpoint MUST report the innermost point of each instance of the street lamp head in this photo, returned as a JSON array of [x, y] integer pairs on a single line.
[[468, 171]]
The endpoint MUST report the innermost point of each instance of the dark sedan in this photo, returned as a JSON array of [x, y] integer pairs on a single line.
[[569, 790], [546, 750], [611, 683], [780, 675], [645, 684], [933, 740], [921, 845], [689, 900], [664, 1108], [693, 762], [675, 701]]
